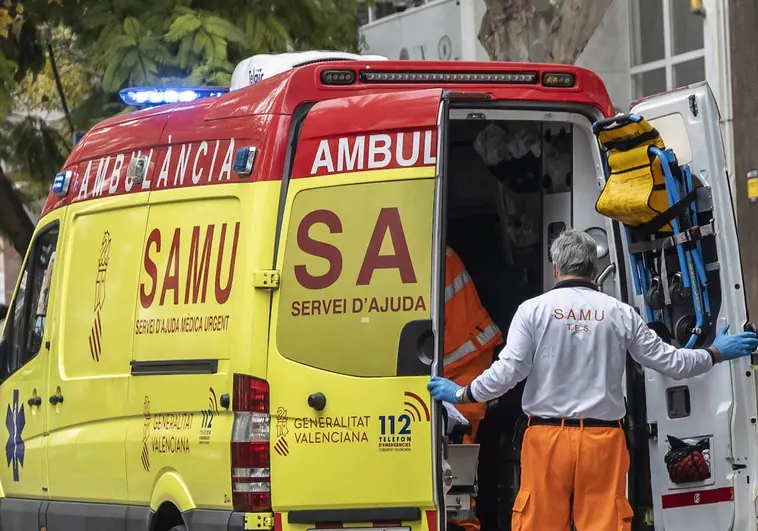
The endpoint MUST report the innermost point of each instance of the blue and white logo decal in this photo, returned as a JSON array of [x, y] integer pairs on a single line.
[[15, 420]]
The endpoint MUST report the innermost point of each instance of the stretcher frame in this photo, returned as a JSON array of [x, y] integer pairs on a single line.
[[682, 210]]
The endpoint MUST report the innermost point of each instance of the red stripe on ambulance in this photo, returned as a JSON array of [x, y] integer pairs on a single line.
[[698, 497], [172, 166]]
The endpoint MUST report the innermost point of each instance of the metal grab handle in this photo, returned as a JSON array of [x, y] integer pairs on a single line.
[[35, 401], [602, 277]]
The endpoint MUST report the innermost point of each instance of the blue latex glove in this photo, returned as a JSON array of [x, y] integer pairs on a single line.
[[735, 346], [443, 389]]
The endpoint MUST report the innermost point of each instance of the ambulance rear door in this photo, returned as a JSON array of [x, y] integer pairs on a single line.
[[720, 405], [352, 345]]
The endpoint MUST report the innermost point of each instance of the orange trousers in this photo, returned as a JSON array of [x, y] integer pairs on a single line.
[[561, 464]]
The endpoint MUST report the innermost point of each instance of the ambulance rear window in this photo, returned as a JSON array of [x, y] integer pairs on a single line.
[[357, 262]]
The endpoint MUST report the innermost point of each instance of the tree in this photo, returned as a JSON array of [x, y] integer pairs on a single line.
[[201, 41], [539, 31], [102, 46], [21, 53]]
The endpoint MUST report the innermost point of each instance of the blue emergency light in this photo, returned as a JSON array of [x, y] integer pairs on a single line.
[[61, 183], [150, 96]]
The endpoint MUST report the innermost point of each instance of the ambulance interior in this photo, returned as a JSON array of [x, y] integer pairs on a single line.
[[512, 186]]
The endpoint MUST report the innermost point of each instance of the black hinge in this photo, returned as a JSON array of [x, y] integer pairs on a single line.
[[738, 466], [652, 430], [693, 105]]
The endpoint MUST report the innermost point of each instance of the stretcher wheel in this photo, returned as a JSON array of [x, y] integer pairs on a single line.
[[684, 328], [654, 296], [679, 294]]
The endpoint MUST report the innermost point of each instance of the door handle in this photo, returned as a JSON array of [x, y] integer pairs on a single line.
[[35, 401], [56, 399], [317, 401]]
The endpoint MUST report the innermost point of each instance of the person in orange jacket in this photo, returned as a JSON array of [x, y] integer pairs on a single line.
[[470, 335]]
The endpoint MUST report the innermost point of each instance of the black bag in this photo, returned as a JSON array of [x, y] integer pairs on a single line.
[[686, 462]]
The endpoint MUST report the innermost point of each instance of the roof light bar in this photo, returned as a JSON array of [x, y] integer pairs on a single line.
[[147, 96], [374, 76]]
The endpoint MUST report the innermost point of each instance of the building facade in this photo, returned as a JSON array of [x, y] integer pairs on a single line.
[[642, 47]]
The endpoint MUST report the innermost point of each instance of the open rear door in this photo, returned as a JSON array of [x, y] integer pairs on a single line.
[[720, 405], [352, 344]]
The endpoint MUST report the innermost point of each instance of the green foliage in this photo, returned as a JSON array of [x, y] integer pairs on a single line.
[[200, 41], [133, 56], [37, 91], [34, 151], [102, 46]]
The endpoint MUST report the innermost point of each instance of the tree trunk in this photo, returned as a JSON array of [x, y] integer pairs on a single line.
[[14, 221], [539, 31]]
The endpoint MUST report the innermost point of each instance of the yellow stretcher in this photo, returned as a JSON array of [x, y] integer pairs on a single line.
[[635, 190], [654, 198]]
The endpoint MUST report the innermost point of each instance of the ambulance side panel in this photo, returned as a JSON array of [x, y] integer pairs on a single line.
[[351, 348], [188, 323], [30, 328], [89, 366], [720, 405], [90, 363], [198, 318]]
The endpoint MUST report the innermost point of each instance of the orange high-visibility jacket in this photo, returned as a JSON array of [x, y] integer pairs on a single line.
[[470, 334]]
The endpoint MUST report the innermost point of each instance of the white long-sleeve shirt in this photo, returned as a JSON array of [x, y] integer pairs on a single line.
[[571, 342]]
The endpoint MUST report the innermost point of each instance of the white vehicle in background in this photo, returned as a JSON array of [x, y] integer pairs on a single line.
[[440, 30]]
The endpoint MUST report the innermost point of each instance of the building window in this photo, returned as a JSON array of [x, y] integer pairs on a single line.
[[379, 9], [667, 46]]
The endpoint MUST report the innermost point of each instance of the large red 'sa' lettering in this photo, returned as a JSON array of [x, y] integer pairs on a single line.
[[389, 219], [171, 278], [321, 249], [222, 293], [197, 273], [146, 297]]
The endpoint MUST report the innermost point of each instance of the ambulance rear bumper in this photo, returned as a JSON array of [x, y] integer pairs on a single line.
[[209, 520]]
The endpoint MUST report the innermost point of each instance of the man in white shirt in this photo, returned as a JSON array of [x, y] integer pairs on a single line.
[[572, 342]]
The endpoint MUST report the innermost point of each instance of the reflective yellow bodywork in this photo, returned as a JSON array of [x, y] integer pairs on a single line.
[[188, 275]]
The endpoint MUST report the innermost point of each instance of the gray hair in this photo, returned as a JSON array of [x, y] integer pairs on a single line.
[[574, 253]]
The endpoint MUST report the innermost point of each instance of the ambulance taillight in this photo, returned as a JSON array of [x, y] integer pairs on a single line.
[[338, 77], [251, 462]]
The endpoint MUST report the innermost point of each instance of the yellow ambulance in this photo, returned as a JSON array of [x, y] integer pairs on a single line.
[[232, 303]]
